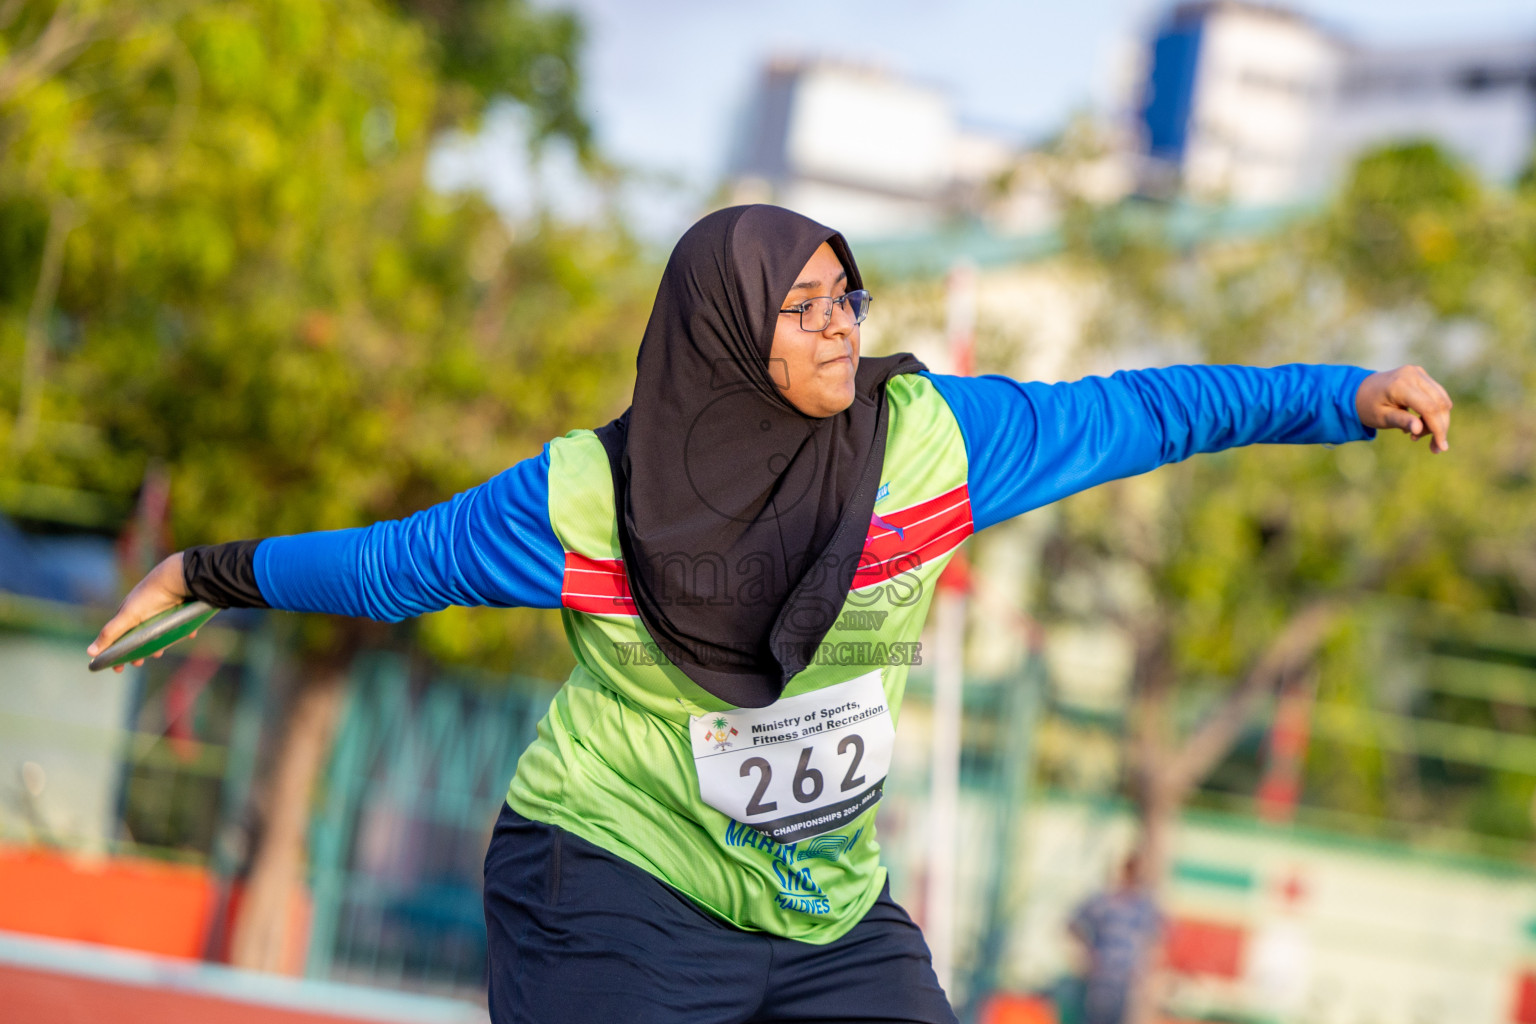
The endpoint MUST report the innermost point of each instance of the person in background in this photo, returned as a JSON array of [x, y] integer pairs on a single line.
[[1121, 930]]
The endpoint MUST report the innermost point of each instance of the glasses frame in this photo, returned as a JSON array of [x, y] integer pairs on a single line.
[[841, 300]]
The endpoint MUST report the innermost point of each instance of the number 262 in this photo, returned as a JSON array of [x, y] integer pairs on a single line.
[[808, 782]]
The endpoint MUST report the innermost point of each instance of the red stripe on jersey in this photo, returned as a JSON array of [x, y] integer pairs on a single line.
[[597, 586], [897, 542], [911, 537]]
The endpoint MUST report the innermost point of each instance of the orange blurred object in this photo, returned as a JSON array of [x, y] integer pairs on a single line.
[[1525, 999], [1206, 947], [135, 904], [1008, 1008], [127, 902], [957, 574]]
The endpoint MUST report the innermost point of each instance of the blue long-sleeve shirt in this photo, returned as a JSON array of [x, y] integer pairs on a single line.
[[1027, 444]]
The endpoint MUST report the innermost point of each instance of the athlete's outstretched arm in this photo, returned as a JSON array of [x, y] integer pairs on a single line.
[[1029, 444], [490, 545]]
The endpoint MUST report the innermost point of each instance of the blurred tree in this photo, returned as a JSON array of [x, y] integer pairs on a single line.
[[1247, 569], [504, 47], [217, 251]]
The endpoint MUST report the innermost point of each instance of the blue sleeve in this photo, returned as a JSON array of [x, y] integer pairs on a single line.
[[1029, 444], [491, 545]]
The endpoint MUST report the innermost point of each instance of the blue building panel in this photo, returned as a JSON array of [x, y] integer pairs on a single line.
[[1171, 89]]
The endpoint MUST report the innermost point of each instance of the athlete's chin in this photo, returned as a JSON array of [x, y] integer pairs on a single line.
[[835, 400]]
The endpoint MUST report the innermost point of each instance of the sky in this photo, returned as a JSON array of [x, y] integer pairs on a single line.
[[664, 79]]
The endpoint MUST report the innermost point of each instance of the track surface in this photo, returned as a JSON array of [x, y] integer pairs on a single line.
[[45, 997]]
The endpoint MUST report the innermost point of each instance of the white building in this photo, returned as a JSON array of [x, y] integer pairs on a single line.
[[1233, 101], [874, 153], [1479, 101], [1257, 105], [850, 145]]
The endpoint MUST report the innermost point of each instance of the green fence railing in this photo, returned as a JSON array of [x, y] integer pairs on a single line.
[[417, 776]]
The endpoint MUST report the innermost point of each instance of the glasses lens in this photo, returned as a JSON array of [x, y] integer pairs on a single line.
[[816, 314], [858, 305]]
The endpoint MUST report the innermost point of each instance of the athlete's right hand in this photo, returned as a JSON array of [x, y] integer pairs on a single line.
[[164, 588], [1406, 399]]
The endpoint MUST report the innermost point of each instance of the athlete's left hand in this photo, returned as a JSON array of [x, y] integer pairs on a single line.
[[1406, 399]]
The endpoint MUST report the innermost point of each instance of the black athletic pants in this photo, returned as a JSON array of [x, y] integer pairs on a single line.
[[577, 934]]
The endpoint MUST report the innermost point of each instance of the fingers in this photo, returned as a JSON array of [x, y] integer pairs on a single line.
[[1438, 420], [162, 589], [1421, 392], [1414, 402], [1404, 420], [116, 626]]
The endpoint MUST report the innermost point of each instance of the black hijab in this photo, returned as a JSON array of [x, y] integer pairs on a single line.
[[741, 519]]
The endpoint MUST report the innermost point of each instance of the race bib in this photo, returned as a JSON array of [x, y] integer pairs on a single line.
[[800, 766]]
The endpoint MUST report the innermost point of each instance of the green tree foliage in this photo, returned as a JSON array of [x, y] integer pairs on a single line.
[[217, 251], [218, 254], [505, 47], [1414, 261]]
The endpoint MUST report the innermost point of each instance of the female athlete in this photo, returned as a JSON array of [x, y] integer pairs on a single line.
[[743, 562]]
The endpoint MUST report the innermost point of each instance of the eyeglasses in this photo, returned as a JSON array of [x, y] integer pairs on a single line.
[[816, 314]]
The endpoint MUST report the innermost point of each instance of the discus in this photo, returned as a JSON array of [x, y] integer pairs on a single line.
[[155, 634]]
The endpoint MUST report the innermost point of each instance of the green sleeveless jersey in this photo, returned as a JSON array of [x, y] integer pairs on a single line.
[[764, 817]]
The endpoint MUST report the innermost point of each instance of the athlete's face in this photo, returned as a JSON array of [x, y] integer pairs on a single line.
[[815, 369]]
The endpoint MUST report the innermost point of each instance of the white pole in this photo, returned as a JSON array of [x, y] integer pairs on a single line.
[[948, 680], [939, 901]]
